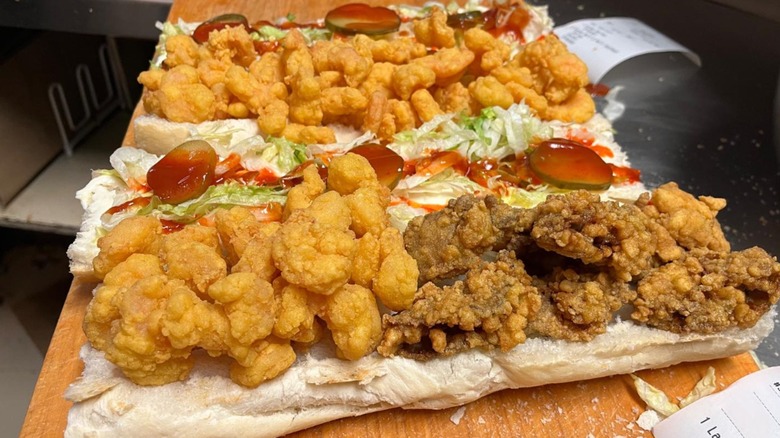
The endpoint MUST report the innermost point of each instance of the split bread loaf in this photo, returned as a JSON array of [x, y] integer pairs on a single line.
[[319, 388]]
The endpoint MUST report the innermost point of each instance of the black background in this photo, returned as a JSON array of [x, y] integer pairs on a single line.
[[711, 129]]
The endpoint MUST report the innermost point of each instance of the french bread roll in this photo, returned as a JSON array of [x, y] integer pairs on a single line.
[[319, 388]]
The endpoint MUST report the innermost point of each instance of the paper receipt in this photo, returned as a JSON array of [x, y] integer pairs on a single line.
[[748, 408], [604, 43]]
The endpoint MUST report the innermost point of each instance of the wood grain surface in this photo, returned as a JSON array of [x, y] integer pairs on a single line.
[[602, 407]]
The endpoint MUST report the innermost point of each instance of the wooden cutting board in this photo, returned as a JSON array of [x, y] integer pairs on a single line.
[[603, 407]]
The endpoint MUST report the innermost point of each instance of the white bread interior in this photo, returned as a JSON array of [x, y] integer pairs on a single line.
[[319, 388], [159, 136]]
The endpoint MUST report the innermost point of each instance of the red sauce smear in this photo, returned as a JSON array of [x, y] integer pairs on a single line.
[[137, 202], [597, 90], [624, 175], [169, 226], [512, 25]]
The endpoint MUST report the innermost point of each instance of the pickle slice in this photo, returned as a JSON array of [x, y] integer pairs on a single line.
[[567, 164], [356, 18]]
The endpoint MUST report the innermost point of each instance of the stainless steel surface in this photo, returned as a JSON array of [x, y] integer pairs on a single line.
[[711, 128], [118, 18]]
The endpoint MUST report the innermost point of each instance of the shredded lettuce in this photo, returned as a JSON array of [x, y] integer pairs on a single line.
[[704, 387], [284, 154], [517, 197], [400, 215], [224, 195], [437, 189], [494, 133], [273, 33], [132, 164], [659, 401], [654, 397], [168, 29]]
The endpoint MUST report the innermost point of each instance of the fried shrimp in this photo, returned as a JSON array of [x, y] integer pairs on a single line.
[[134, 235], [354, 321], [690, 222]]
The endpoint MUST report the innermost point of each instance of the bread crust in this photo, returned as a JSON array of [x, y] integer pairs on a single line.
[[320, 388]]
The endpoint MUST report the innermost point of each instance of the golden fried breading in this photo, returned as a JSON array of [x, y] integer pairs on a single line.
[[396, 51], [488, 91], [249, 305], [396, 280], [579, 108], [300, 196], [272, 118], [490, 308], [578, 225], [305, 101], [330, 209], [558, 74], [411, 77], [298, 133], [376, 113], [708, 291], [338, 101], [447, 64], [246, 88], [433, 30], [134, 235], [188, 321], [455, 98], [211, 71], [236, 227], [271, 358], [354, 321], [188, 103], [151, 78], [313, 255], [344, 58], [181, 49], [527, 95], [349, 172], [295, 316], [404, 117], [452, 240], [268, 69], [367, 261], [487, 46], [103, 309], [195, 263], [690, 222], [138, 346], [367, 206], [257, 254], [577, 304], [234, 44], [425, 106], [380, 78]]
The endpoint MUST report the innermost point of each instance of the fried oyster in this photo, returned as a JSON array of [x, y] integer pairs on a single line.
[[709, 291], [663, 259], [491, 307]]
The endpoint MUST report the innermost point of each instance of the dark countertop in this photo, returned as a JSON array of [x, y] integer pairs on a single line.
[[711, 128], [715, 129]]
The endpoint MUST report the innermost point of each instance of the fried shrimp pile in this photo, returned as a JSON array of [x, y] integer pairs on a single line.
[[253, 291], [664, 257], [379, 84]]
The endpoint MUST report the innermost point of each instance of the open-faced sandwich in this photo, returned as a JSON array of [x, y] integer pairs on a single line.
[[390, 208]]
